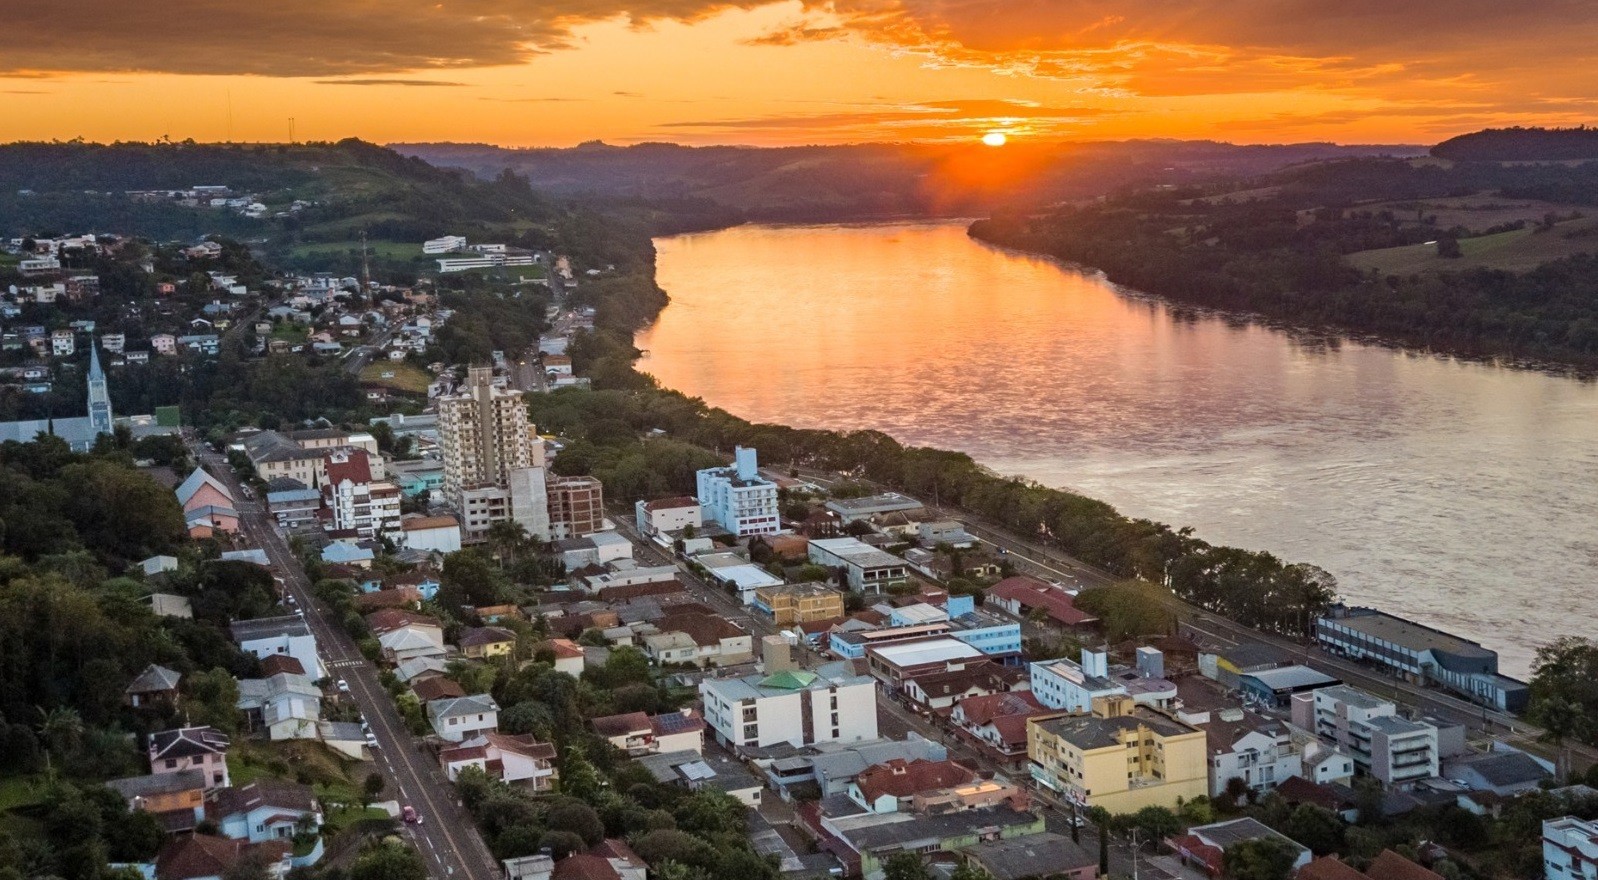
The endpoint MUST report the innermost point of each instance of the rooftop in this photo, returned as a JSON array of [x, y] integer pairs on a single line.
[[1292, 678], [1410, 635], [916, 653], [1021, 857], [856, 552], [1088, 732], [269, 627]]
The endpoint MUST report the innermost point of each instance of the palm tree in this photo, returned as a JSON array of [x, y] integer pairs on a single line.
[[506, 538], [62, 731]]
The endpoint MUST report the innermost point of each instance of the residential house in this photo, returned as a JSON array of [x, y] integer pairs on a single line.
[[1029, 598], [434, 534], [156, 685], [515, 759], [1121, 757], [1204, 847], [942, 689], [891, 787], [717, 641], [1505, 773], [289, 635], [191, 748], [404, 635], [176, 799], [567, 655], [798, 707], [164, 343], [612, 859], [864, 842], [637, 733], [203, 857], [1047, 856], [457, 719], [1258, 750], [483, 642], [266, 809], [691, 771], [283, 706], [998, 723], [1387, 865]]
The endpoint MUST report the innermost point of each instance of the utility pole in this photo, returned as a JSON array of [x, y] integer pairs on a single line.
[[366, 266]]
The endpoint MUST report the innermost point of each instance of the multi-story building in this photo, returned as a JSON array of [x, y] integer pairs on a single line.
[[664, 515], [191, 748], [357, 502], [1258, 750], [493, 462], [1422, 655], [1122, 757], [576, 507], [795, 706], [738, 499], [790, 604], [863, 567], [1570, 849], [1383, 745], [1070, 686]]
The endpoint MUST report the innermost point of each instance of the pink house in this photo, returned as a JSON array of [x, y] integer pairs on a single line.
[[207, 505], [191, 748], [164, 343]]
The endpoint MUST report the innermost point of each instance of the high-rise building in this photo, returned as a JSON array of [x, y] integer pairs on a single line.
[[738, 498], [493, 462], [576, 507], [357, 502]]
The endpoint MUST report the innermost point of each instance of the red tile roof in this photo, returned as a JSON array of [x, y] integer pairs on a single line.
[[1329, 868], [981, 710], [1031, 593], [564, 649], [277, 663], [621, 725], [485, 635], [705, 629], [1389, 865], [671, 503], [390, 619], [898, 778], [436, 687]]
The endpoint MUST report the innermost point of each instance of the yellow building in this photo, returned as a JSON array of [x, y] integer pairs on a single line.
[[789, 604], [484, 642], [1122, 758]]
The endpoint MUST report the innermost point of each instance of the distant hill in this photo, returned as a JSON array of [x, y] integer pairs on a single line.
[[855, 181], [1521, 145]]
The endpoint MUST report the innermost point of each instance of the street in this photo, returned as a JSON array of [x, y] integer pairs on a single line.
[[447, 839]]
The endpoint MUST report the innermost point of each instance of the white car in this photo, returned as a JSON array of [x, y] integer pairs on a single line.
[[343, 686]]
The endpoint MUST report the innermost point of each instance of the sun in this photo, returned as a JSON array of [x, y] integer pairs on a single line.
[[994, 139]]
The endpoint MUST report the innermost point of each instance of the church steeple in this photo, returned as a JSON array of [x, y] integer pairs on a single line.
[[99, 394]]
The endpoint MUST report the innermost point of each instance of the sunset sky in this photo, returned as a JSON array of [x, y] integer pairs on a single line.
[[553, 73]]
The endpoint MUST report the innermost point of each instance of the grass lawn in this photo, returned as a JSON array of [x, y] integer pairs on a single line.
[[382, 250], [397, 376], [291, 332], [1519, 250], [20, 791]]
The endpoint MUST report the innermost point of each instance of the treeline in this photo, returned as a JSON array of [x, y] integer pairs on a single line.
[[1521, 144], [1282, 257]]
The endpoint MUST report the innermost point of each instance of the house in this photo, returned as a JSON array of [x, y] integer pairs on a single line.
[[567, 655], [1050, 855], [457, 719], [864, 842], [891, 787], [1570, 848], [191, 748], [483, 642], [342, 553], [599, 548], [289, 635], [1204, 847], [639, 734], [158, 565], [284, 705], [436, 687], [201, 489], [665, 648], [668, 516], [516, 759], [691, 771], [266, 809], [1387, 865], [611, 859], [940, 690], [404, 635], [1029, 598], [998, 723], [1122, 757], [203, 857], [176, 799], [164, 343], [833, 703], [716, 640], [156, 685]]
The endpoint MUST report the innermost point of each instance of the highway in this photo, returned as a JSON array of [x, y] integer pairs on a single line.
[[447, 839]]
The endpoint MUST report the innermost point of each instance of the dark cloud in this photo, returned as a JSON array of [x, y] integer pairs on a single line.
[[420, 83], [933, 119]]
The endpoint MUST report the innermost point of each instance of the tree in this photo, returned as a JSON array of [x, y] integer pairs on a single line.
[[970, 871], [212, 699], [905, 866], [1128, 609], [561, 843], [1316, 828], [371, 788], [1448, 246], [1266, 858], [1156, 823], [389, 860], [578, 818], [1104, 850]]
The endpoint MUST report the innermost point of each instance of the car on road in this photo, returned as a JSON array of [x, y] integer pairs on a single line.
[[343, 686], [371, 741], [409, 814]]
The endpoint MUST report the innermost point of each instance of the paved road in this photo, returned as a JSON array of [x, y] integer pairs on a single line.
[[447, 839]]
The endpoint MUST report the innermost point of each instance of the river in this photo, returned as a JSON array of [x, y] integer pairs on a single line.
[[1460, 494]]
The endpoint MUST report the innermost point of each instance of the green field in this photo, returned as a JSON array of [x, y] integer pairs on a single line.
[[383, 250], [396, 376], [1520, 250]]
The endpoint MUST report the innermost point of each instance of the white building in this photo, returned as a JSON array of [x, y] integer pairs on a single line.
[[289, 635], [436, 534], [1383, 745], [795, 706], [1260, 751], [1072, 687], [665, 515], [359, 504], [457, 719], [444, 244], [864, 567], [1570, 849], [738, 499], [63, 343]]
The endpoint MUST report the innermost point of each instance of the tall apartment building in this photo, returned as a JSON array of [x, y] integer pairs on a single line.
[[738, 498], [493, 463], [794, 706], [1383, 745], [576, 507]]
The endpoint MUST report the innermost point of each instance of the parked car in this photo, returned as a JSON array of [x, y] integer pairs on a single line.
[[408, 813]]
